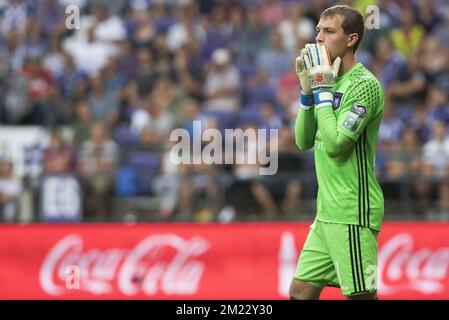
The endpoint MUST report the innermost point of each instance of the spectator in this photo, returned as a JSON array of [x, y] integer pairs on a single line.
[[14, 15], [186, 27], [188, 72], [72, 82], [434, 57], [410, 87], [169, 98], [98, 160], [145, 75], [193, 113], [252, 39], [89, 53], [109, 28], [420, 125], [54, 59], [155, 117], [219, 33], [200, 192], [41, 90], [391, 128], [167, 186], [388, 64], [271, 12], [245, 172], [269, 118], [51, 13], [405, 159], [275, 60], [34, 42], [296, 30], [435, 168], [163, 20], [408, 37], [279, 194], [82, 124], [222, 83], [427, 15], [59, 156], [114, 80], [437, 105], [10, 189], [127, 60], [400, 172], [288, 92], [144, 31], [104, 104], [162, 56], [440, 30]]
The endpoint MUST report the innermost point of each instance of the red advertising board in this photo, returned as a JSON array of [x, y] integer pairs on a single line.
[[200, 261]]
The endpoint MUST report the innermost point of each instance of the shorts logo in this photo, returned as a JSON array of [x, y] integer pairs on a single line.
[[371, 279], [337, 99]]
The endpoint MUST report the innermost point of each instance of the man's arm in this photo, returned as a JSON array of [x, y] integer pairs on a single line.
[[335, 143], [305, 126], [305, 129], [340, 134]]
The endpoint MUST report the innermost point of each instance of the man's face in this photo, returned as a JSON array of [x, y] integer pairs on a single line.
[[331, 34]]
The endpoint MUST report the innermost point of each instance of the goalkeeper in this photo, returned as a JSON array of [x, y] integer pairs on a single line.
[[341, 111]]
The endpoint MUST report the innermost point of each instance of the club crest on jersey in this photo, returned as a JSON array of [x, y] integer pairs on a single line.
[[359, 110], [354, 117], [337, 99]]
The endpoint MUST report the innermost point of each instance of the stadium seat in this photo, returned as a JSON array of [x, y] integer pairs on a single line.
[[123, 136], [226, 120], [146, 165], [259, 94], [250, 114]]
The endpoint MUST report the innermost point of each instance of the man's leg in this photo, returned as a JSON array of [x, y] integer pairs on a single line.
[[264, 199], [292, 196], [300, 290], [315, 268]]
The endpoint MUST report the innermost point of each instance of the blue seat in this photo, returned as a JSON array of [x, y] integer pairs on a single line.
[[259, 94], [247, 70], [126, 182], [123, 136], [226, 120], [146, 165], [250, 114]]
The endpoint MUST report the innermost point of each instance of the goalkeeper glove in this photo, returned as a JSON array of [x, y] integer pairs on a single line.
[[301, 74], [321, 73]]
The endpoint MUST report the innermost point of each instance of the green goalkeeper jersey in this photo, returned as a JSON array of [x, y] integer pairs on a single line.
[[348, 191]]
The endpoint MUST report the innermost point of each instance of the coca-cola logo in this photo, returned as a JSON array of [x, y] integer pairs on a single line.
[[165, 264], [404, 268]]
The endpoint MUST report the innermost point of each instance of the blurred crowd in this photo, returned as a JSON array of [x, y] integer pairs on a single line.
[[137, 69]]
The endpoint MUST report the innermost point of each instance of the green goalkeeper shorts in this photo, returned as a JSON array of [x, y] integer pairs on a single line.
[[339, 255]]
